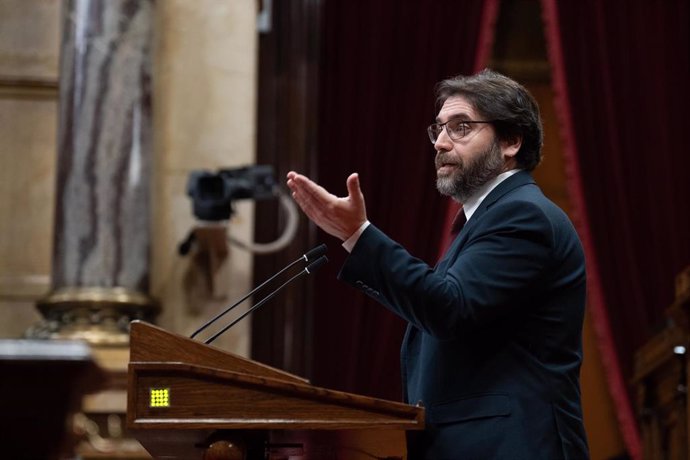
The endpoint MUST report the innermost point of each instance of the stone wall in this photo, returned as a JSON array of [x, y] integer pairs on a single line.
[[204, 118]]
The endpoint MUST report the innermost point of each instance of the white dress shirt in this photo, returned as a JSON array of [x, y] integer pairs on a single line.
[[469, 207]]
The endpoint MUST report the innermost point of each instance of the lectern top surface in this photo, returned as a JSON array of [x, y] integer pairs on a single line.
[[49, 350]]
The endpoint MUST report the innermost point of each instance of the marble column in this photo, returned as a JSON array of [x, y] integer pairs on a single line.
[[101, 253]]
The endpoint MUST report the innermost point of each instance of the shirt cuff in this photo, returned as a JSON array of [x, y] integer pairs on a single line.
[[349, 243]]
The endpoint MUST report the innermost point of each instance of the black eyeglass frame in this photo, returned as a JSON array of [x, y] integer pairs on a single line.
[[434, 130]]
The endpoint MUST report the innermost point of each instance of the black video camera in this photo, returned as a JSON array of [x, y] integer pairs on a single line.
[[213, 193]]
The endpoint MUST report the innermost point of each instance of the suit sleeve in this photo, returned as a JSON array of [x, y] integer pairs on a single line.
[[507, 253]]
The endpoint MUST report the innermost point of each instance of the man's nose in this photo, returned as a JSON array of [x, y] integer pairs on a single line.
[[443, 141]]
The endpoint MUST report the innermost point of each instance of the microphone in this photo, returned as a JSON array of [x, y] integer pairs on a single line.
[[311, 268], [309, 256]]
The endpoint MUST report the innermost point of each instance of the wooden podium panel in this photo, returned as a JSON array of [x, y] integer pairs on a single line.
[[662, 371], [42, 384], [183, 396], [660, 383]]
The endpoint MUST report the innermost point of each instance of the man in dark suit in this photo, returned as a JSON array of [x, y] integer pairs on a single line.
[[493, 345]]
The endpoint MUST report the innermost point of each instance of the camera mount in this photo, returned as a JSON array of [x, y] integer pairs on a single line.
[[213, 195]]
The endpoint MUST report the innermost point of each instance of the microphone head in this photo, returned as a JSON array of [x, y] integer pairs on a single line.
[[315, 253], [312, 267]]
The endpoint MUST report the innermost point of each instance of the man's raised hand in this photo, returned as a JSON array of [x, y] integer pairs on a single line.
[[340, 217]]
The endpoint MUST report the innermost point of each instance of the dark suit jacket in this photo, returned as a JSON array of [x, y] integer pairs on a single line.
[[493, 346]]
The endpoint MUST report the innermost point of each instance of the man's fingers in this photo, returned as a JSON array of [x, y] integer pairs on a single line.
[[354, 190], [303, 193], [314, 189], [339, 217], [306, 204]]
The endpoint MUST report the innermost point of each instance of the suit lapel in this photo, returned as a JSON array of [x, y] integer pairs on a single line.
[[518, 179], [411, 334]]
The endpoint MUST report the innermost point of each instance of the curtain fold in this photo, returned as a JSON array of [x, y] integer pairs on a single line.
[[620, 73], [481, 58], [377, 97]]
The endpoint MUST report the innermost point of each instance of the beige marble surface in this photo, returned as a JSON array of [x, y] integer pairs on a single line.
[[29, 39], [27, 184], [29, 45], [204, 118]]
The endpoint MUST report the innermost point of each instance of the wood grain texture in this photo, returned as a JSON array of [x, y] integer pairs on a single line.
[[214, 395], [154, 344]]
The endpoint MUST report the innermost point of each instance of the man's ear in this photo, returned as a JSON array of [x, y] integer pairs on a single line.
[[510, 147]]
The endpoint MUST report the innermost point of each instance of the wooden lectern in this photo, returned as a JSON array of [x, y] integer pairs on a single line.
[[187, 400], [42, 383], [662, 368]]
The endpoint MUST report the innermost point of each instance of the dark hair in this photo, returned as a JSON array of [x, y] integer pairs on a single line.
[[497, 97]]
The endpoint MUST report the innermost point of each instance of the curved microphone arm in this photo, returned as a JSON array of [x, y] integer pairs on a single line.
[[284, 239]]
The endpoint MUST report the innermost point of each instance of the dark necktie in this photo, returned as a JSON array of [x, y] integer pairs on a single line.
[[458, 222]]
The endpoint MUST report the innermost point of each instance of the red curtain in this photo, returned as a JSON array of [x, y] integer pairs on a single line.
[[621, 73], [380, 62], [481, 58]]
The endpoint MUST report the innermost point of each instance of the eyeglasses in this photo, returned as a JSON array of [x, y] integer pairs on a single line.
[[456, 128]]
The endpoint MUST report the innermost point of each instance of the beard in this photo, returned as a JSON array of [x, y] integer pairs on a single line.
[[469, 176]]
